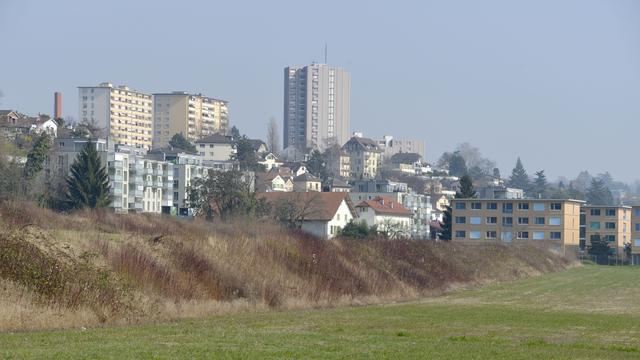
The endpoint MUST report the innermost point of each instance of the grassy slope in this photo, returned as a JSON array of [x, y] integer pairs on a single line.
[[589, 313]]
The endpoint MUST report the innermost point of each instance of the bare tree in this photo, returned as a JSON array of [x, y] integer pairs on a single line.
[[293, 210], [273, 136], [1, 96]]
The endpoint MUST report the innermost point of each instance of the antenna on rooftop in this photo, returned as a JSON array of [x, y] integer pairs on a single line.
[[325, 53]]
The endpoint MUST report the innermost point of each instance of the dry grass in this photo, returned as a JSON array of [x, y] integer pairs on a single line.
[[92, 268]]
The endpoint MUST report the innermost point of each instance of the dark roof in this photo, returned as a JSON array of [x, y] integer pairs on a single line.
[[215, 139], [305, 177], [323, 205], [338, 183], [365, 143], [405, 158], [385, 205]]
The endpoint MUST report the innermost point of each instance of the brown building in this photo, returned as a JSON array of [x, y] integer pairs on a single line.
[[552, 222], [613, 223], [57, 105]]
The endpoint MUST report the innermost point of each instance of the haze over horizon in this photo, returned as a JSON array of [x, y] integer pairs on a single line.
[[556, 83]]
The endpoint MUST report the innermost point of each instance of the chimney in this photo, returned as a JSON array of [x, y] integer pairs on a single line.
[[57, 105]]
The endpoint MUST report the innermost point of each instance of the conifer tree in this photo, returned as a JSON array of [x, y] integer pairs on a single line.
[[519, 178], [88, 184], [466, 188], [599, 194], [540, 184]]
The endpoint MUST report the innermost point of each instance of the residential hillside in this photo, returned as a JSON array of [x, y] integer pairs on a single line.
[[97, 268]]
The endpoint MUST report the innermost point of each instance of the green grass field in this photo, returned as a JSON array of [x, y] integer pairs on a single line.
[[585, 313]]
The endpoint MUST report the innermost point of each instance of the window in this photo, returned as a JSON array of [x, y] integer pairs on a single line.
[[594, 225], [494, 206], [523, 235], [555, 221], [609, 212], [636, 242], [638, 227], [538, 235], [507, 221], [507, 208], [476, 206], [609, 225], [523, 221], [475, 220], [538, 207], [636, 212], [460, 234], [506, 236], [610, 238], [539, 221], [595, 212], [461, 220], [461, 206], [492, 235], [556, 206], [523, 206], [474, 235], [555, 235], [494, 220]]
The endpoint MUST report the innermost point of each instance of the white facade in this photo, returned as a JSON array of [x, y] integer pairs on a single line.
[[316, 106], [331, 228]]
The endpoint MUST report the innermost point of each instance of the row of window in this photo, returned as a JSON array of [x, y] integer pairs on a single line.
[[508, 207], [508, 236], [596, 225], [508, 221], [598, 212]]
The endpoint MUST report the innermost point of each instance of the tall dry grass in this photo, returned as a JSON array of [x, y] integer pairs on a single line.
[[95, 268]]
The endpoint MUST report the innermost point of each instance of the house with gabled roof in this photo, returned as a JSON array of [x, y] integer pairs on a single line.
[[323, 214], [365, 157], [387, 215]]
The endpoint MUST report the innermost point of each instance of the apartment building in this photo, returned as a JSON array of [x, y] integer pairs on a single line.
[[194, 115], [392, 146], [612, 223], [138, 184], [635, 229], [555, 222], [217, 151], [125, 115], [365, 157], [316, 106]]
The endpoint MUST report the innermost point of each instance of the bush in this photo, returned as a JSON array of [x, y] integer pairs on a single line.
[[357, 229]]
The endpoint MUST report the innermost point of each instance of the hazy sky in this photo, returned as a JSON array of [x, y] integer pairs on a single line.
[[556, 82]]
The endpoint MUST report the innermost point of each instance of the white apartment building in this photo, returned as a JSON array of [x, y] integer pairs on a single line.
[[122, 113], [194, 115], [392, 146], [316, 106]]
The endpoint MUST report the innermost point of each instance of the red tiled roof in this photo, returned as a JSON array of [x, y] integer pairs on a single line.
[[385, 205], [322, 205]]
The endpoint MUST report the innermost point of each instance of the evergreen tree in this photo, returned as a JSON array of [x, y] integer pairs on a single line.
[[496, 173], [246, 155], [178, 141], [540, 185], [445, 233], [37, 155], [234, 133], [599, 247], [599, 194], [519, 178], [317, 166], [466, 188], [457, 164], [88, 184]]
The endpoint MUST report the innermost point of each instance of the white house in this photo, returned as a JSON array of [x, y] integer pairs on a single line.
[[270, 161], [45, 125], [387, 214], [322, 214]]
